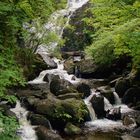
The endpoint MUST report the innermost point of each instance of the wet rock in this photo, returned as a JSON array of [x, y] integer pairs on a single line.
[[71, 129], [69, 66], [49, 77], [61, 86], [94, 83], [70, 95], [40, 86], [39, 65], [98, 105], [132, 95], [121, 86], [136, 133], [108, 93], [30, 102], [37, 119], [128, 121], [45, 134], [57, 110], [84, 88], [138, 120]]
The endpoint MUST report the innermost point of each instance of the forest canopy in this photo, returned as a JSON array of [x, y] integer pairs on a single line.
[[116, 32]]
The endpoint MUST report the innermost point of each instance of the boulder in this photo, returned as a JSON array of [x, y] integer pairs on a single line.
[[121, 86], [39, 65], [138, 120], [37, 119], [49, 77], [128, 121], [71, 129], [98, 105], [56, 110], [132, 95], [70, 95], [69, 66], [30, 102], [84, 88], [45, 134], [61, 86], [108, 93], [136, 133]]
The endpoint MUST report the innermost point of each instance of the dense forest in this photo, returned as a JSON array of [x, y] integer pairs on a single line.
[[16, 51], [116, 31], [109, 32]]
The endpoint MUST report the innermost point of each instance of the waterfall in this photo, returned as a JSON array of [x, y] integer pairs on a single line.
[[117, 99], [107, 104], [58, 71], [25, 131], [91, 110], [89, 105]]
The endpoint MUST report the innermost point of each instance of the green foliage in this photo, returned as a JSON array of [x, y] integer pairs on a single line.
[[8, 127], [15, 58], [116, 31]]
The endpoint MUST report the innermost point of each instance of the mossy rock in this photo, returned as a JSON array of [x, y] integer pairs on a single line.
[[108, 93], [121, 86], [68, 110], [71, 129], [61, 86]]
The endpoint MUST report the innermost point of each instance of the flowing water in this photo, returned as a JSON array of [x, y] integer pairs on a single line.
[[26, 131]]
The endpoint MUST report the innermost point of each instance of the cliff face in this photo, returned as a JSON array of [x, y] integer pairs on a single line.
[[74, 35]]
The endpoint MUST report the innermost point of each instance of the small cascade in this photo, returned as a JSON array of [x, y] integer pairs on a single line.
[[26, 131], [117, 99], [91, 110], [107, 104], [58, 71], [89, 105]]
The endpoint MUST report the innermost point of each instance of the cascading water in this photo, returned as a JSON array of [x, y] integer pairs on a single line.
[[89, 105], [117, 99], [107, 104], [26, 131]]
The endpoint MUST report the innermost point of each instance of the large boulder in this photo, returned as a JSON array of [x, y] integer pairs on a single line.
[[121, 86], [70, 95], [136, 133], [69, 66], [108, 93], [128, 121], [39, 65], [37, 119], [45, 134], [71, 129], [68, 110], [61, 86], [49, 77], [98, 105], [132, 95], [138, 120], [84, 88]]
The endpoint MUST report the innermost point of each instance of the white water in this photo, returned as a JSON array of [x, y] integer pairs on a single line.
[[25, 131], [106, 124], [58, 71], [117, 99], [107, 104], [89, 106], [54, 25], [57, 24]]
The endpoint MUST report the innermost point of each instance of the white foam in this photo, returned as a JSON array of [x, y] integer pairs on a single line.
[[25, 131]]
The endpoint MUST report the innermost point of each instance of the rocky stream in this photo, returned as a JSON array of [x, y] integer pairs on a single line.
[[63, 105]]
